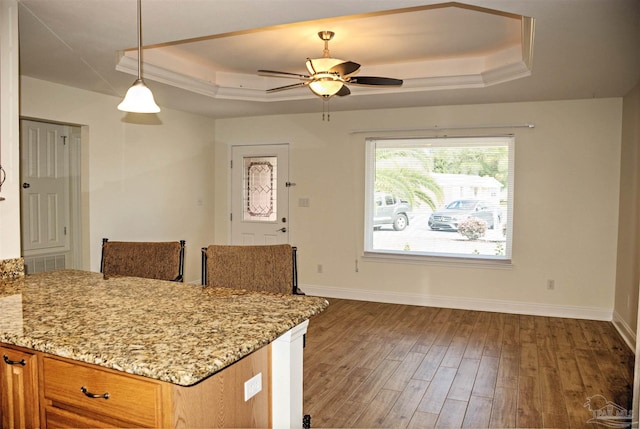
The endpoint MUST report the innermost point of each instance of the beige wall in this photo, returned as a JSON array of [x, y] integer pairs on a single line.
[[139, 182], [9, 157], [628, 276], [566, 205], [157, 182]]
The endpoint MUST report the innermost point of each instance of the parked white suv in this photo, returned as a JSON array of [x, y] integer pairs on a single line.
[[391, 210]]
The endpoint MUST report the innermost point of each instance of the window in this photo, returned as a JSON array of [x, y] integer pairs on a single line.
[[260, 193], [440, 197]]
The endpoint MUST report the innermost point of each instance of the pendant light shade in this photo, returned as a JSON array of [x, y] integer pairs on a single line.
[[139, 98]]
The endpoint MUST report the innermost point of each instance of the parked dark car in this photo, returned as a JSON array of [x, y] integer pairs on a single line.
[[456, 211], [391, 210]]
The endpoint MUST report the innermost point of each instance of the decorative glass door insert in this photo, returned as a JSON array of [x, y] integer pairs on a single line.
[[260, 189]]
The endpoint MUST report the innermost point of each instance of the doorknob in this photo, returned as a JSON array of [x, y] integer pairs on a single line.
[[26, 185], [283, 229]]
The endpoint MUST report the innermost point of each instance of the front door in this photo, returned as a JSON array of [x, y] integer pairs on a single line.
[[260, 194]]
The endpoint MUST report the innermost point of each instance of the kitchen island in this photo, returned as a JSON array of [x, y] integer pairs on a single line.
[[204, 356]]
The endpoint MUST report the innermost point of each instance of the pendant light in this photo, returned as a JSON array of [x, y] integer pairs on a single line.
[[139, 98]]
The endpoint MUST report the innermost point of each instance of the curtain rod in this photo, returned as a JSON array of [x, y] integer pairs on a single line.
[[437, 128]]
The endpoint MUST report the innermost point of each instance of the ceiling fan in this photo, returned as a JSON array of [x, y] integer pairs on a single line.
[[329, 76]]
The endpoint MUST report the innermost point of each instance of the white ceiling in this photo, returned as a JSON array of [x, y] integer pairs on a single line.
[[581, 49]]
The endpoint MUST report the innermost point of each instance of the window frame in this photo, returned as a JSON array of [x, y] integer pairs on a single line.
[[440, 258]]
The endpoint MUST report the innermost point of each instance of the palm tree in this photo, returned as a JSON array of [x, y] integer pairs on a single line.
[[405, 173]]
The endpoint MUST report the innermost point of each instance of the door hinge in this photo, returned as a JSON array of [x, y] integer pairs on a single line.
[[231, 216], [65, 230], [231, 163]]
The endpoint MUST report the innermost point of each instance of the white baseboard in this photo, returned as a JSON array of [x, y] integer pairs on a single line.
[[493, 305], [625, 331]]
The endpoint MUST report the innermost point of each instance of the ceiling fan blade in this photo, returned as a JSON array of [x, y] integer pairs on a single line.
[[375, 80], [273, 73], [343, 91], [346, 68], [284, 88]]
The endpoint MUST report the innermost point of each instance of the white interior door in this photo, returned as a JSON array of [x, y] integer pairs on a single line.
[[44, 159], [260, 194]]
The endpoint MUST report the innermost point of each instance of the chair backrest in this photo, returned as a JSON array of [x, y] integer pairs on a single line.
[[152, 260], [269, 268]]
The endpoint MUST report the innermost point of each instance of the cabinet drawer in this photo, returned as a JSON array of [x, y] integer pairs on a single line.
[[58, 419], [131, 399]]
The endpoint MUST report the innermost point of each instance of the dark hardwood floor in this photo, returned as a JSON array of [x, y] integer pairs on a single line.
[[373, 365]]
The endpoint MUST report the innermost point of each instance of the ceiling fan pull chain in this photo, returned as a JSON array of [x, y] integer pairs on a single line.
[[325, 109]]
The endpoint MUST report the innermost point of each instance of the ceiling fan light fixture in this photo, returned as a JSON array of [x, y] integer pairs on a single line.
[[329, 76], [139, 98], [325, 83]]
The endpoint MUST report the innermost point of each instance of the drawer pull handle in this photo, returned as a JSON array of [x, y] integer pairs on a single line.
[[93, 395], [13, 362]]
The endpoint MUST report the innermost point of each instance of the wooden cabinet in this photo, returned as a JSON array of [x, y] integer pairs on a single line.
[[51, 392], [19, 389]]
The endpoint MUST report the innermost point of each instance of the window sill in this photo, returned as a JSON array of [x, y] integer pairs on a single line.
[[448, 261]]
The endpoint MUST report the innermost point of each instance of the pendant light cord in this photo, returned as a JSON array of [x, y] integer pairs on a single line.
[[139, 39]]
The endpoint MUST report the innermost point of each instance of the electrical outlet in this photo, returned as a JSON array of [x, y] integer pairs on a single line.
[[551, 284], [253, 386], [320, 268]]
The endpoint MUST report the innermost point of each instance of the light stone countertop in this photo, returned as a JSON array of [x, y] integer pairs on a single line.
[[175, 332]]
